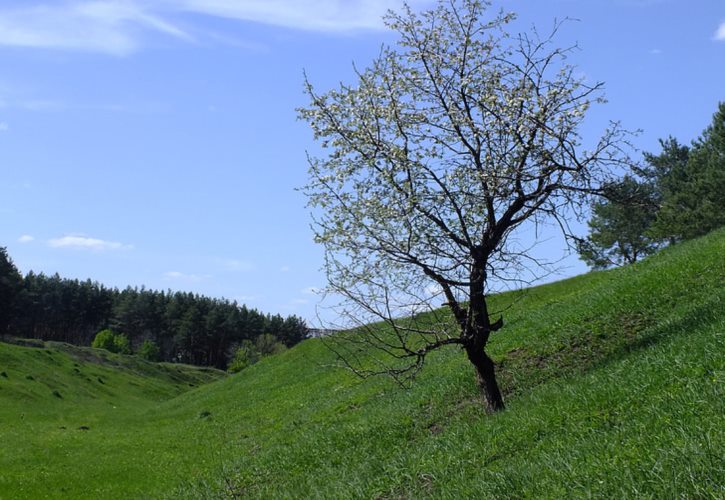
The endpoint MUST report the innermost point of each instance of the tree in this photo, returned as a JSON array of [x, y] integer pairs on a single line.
[[149, 350], [619, 229], [293, 330], [111, 341], [104, 340], [668, 169], [121, 344], [693, 202], [245, 355], [267, 345], [446, 147], [11, 283]]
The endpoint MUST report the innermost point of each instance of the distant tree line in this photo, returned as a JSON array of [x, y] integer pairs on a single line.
[[678, 194], [175, 326]]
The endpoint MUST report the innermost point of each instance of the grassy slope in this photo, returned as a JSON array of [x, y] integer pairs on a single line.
[[614, 385], [69, 412]]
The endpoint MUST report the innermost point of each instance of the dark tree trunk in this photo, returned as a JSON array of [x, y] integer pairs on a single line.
[[486, 379], [476, 334]]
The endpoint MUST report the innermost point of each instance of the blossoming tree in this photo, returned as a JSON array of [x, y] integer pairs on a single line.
[[451, 142]]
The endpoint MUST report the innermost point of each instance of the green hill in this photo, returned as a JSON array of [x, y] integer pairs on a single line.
[[613, 381]]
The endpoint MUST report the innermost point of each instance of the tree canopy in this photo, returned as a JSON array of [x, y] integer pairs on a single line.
[[619, 229], [694, 193], [10, 289], [677, 195], [447, 146]]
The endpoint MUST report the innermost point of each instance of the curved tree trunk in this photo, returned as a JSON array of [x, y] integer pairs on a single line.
[[486, 379], [479, 328]]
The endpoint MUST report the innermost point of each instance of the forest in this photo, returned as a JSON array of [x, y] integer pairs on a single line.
[[172, 326]]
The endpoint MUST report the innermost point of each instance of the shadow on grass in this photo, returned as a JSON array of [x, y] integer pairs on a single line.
[[596, 343]]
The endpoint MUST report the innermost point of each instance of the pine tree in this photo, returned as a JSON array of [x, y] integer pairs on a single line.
[[620, 224], [694, 197], [11, 283]]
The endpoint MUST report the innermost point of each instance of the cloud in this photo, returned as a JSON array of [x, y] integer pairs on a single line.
[[26, 238], [284, 269], [107, 26], [4, 127], [312, 15], [86, 243], [120, 27], [655, 52], [176, 275], [720, 33]]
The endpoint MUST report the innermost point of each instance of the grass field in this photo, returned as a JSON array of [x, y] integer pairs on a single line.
[[613, 381]]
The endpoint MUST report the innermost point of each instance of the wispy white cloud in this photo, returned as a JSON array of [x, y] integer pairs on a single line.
[[655, 52], [313, 15], [177, 275], [107, 26], [720, 33], [120, 27], [26, 238], [4, 127], [24, 104], [284, 269], [86, 243]]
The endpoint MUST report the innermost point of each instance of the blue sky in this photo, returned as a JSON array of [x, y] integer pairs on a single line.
[[155, 142]]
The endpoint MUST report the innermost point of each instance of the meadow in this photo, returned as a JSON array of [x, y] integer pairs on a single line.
[[613, 382]]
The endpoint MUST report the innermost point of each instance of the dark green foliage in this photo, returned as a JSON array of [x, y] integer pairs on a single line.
[[185, 327], [681, 196], [667, 170], [10, 288], [618, 229], [694, 195]]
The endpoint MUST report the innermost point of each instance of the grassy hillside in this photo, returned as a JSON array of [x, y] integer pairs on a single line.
[[613, 380], [67, 412]]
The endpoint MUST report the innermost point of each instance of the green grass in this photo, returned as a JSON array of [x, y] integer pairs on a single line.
[[613, 381], [69, 412]]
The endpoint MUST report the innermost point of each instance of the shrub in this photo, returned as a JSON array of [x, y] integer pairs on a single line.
[[121, 344], [149, 350], [267, 344], [111, 341], [250, 352], [104, 340], [245, 355]]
